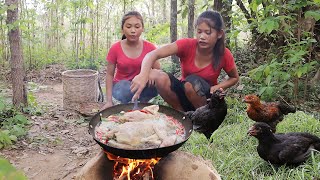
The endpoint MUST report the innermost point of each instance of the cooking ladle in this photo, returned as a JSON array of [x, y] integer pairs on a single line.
[[135, 105]]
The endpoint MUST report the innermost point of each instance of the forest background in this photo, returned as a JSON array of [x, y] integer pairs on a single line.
[[275, 44]]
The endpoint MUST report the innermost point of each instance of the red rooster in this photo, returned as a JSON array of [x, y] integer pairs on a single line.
[[269, 112]]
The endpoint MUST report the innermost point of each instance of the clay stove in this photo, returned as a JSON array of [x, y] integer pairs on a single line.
[[178, 165]]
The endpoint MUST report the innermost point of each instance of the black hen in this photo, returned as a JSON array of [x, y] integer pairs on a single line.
[[279, 149], [207, 119]]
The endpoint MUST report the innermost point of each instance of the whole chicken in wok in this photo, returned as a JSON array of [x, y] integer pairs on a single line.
[[140, 129]]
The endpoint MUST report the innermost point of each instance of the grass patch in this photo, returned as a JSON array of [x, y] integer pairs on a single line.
[[234, 155]]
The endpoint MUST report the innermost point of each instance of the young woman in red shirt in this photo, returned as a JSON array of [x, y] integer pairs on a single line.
[[124, 62], [201, 61]]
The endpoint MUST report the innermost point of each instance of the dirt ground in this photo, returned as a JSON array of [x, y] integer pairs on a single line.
[[58, 143]]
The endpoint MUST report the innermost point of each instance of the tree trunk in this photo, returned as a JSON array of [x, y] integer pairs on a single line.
[[191, 18], [124, 6], [153, 14], [92, 36], [97, 31], [224, 7], [173, 30], [17, 70], [3, 45], [164, 11], [217, 5], [316, 78]]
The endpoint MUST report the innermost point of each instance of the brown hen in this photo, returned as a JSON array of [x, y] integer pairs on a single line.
[[269, 112]]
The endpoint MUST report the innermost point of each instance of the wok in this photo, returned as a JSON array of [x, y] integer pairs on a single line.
[[141, 153]]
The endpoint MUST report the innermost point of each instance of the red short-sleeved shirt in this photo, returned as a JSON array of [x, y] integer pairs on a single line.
[[127, 68], [187, 53]]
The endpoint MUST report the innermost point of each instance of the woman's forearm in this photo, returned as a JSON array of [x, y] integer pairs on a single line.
[[109, 85], [228, 83], [148, 61], [232, 80]]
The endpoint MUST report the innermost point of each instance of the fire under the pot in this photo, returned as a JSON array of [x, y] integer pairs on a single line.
[[176, 165], [132, 169]]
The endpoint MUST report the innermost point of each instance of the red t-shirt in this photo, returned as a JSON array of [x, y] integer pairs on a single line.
[[127, 68], [187, 53]]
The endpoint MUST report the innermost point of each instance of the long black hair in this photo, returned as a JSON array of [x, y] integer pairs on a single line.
[[214, 20], [129, 15]]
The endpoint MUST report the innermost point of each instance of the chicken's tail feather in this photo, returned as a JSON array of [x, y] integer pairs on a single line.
[[286, 109], [317, 146], [189, 114], [315, 140]]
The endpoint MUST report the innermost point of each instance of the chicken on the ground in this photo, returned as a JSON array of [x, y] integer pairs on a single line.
[[206, 119], [279, 149], [269, 112]]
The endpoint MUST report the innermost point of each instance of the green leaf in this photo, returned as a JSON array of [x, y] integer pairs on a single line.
[[268, 25], [22, 119], [5, 131], [254, 5], [2, 106], [282, 86], [185, 12], [299, 73], [268, 79], [13, 138], [262, 90], [267, 70], [313, 14], [90, 5], [18, 130], [269, 90]]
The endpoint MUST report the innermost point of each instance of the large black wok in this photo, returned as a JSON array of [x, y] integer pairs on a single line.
[[143, 153]]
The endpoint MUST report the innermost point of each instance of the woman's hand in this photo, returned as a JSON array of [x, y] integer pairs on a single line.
[[214, 88], [137, 85], [108, 104]]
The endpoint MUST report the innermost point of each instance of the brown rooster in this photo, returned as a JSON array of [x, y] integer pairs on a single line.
[[269, 112], [279, 149]]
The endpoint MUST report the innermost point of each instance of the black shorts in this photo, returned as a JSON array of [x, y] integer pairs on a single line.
[[201, 86]]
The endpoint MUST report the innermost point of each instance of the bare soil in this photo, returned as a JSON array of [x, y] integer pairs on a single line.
[[58, 143]]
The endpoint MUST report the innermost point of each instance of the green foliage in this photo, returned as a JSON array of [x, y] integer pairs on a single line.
[[7, 171], [86, 64], [269, 24], [282, 46], [158, 33], [279, 74], [313, 14], [33, 107], [233, 153], [12, 124]]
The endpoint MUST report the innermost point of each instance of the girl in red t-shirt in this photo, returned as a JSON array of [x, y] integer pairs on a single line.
[[201, 61], [124, 62]]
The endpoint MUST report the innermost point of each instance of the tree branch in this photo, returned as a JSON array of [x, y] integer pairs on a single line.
[[245, 11]]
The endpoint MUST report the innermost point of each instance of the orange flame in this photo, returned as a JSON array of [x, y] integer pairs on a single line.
[[132, 169]]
